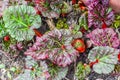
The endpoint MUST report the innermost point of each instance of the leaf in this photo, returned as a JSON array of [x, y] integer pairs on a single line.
[[2, 29], [62, 72], [2, 66], [55, 46], [51, 9], [99, 13], [13, 69], [107, 58], [83, 21], [82, 71], [104, 37], [56, 72], [116, 22], [9, 75], [39, 70], [20, 21]]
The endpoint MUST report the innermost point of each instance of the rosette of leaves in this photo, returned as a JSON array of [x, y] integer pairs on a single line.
[[55, 46], [104, 59], [82, 71], [57, 73], [20, 21], [116, 22], [104, 37], [61, 24], [99, 14]]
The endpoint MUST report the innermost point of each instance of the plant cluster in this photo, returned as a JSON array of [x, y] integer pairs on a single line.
[[43, 39]]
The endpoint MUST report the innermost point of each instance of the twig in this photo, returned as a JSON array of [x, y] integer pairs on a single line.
[[50, 24]]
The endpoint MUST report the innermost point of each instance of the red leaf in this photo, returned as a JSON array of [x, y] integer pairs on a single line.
[[37, 11], [63, 14], [37, 33], [81, 5]]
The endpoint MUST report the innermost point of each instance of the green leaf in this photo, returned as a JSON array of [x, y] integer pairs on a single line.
[[13, 69], [83, 21], [109, 10], [58, 73], [82, 71], [9, 75], [2, 66], [20, 21], [3, 31], [107, 58]]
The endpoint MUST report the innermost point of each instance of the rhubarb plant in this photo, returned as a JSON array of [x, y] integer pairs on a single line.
[[104, 37], [103, 59], [20, 21], [55, 46]]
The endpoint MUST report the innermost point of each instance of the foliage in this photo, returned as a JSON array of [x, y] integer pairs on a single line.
[[34, 71], [104, 59], [57, 73], [8, 72], [104, 37], [83, 21], [50, 9], [49, 55], [66, 8], [2, 29], [20, 21], [82, 71], [116, 22], [55, 46], [61, 24], [99, 14]]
